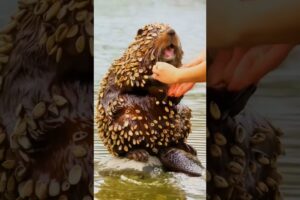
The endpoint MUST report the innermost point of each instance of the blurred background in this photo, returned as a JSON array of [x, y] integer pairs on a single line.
[[278, 99], [116, 23]]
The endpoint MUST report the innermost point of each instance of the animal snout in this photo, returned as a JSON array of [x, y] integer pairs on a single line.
[[171, 32]]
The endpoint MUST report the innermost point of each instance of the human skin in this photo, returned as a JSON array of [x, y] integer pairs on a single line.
[[239, 67], [181, 79], [251, 22], [169, 74], [258, 37]]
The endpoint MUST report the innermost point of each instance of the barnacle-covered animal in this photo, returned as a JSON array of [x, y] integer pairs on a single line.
[[242, 149], [135, 116], [46, 101]]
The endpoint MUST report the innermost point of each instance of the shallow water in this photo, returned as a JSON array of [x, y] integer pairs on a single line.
[[116, 23]]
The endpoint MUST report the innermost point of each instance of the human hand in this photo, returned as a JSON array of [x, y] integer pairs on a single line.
[[238, 68], [179, 89], [165, 73]]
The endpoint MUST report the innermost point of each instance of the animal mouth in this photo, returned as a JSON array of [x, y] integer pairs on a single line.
[[169, 53]]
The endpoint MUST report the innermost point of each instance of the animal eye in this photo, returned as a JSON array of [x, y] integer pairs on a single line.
[[140, 31]]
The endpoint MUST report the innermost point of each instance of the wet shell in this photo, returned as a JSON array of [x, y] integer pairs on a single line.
[[72, 31], [41, 189], [220, 139], [271, 182], [80, 44], [79, 151], [82, 4], [220, 182], [59, 100], [54, 188], [215, 150], [39, 110], [80, 135], [81, 15], [62, 12], [61, 32], [65, 186], [263, 160], [53, 109], [20, 172], [24, 142], [58, 55], [75, 175], [31, 123], [8, 164], [237, 151], [262, 187], [258, 138], [26, 188], [53, 50], [53, 10], [50, 43], [24, 156], [40, 8], [235, 167], [240, 134], [11, 184], [214, 110]]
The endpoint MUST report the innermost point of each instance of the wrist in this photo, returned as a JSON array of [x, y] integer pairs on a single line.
[[177, 76]]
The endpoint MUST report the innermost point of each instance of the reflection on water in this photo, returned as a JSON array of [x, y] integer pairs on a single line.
[[116, 23]]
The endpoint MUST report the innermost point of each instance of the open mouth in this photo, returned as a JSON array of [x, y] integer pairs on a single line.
[[169, 53]]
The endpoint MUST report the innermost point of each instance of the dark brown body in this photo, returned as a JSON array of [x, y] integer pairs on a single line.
[[140, 115], [242, 150], [134, 114]]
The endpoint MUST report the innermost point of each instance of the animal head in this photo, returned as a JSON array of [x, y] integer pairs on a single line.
[[152, 43], [163, 40]]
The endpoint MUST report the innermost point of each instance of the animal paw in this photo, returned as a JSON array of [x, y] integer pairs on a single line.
[[139, 155]]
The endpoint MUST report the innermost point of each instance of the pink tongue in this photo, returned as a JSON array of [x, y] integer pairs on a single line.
[[169, 52]]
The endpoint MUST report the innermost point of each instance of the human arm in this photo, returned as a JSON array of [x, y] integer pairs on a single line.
[[169, 74], [239, 67], [237, 23]]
